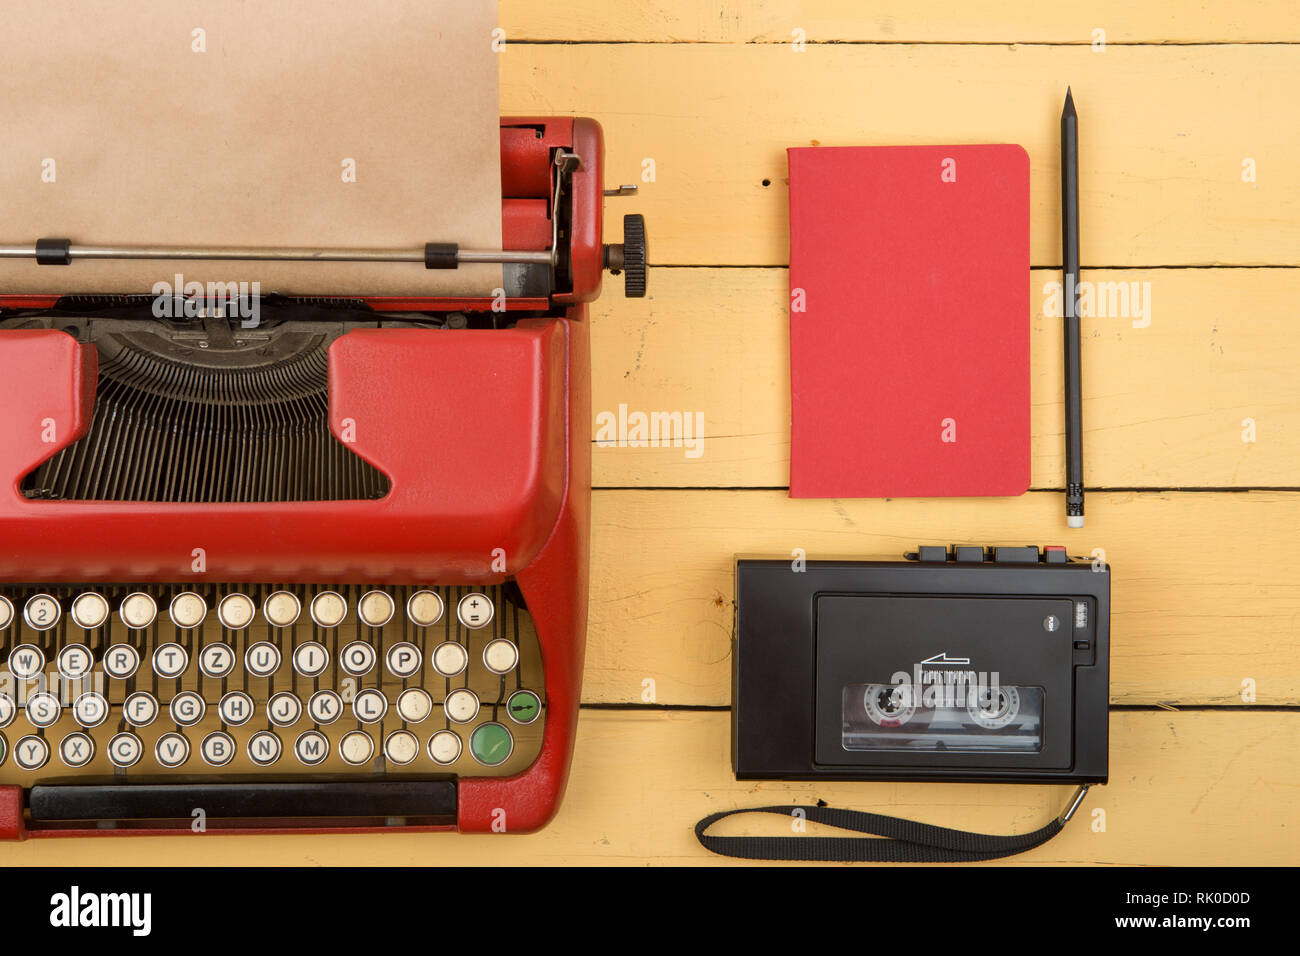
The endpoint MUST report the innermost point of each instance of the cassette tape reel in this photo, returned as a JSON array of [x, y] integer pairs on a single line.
[[994, 711], [889, 705]]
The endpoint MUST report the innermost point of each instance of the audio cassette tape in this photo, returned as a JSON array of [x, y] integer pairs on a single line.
[[956, 664]]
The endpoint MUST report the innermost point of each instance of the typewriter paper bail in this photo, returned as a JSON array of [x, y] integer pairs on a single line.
[[299, 123]]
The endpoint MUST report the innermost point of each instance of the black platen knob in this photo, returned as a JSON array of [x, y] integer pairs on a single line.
[[635, 256]]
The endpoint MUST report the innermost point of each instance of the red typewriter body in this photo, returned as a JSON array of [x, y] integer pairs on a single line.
[[483, 435]]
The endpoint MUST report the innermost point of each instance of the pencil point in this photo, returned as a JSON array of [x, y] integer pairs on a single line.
[[1069, 103]]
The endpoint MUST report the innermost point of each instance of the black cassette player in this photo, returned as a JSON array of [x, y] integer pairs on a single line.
[[969, 663]]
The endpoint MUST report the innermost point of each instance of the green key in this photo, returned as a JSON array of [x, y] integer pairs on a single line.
[[491, 744], [523, 707]]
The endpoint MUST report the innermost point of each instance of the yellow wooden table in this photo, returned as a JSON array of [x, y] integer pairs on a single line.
[[1189, 165]]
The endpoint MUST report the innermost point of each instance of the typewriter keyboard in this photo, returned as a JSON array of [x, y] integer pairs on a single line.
[[117, 681]]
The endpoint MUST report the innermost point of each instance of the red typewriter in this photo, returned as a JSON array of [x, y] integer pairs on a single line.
[[327, 572]]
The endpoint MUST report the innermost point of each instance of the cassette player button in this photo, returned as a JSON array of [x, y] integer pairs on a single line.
[[1055, 554], [968, 554], [1025, 555], [934, 553]]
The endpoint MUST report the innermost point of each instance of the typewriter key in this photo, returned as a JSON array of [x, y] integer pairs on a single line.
[[325, 707], [89, 610], [217, 749], [42, 612], [414, 705], [358, 658], [264, 748], [125, 750], [6, 612], [449, 658], [401, 747], [31, 753], [138, 610], [424, 608], [500, 656], [356, 748], [170, 660], [187, 708], [475, 610], [172, 750], [217, 660], [90, 710], [188, 610], [491, 744], [4, 749], [121, 661], [369, 706], [328, 609], [284, 709], [523, 707], [7, 710], [311, 747], [74, 661], [462, 705], [444, 747], [43, 709], [282, 608], [375, 608], [310, 659], [76, 749], [404, 659], [236, 708], [26, 661], [236, 611], [140, 709], [262, 659]]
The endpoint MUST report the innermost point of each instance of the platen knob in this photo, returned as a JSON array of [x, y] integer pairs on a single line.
[[631, 257], [636, 254]]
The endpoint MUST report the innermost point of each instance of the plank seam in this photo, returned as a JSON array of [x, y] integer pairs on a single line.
[[1127, 708], [1204, 267], [1156, 44], [1098, 489]]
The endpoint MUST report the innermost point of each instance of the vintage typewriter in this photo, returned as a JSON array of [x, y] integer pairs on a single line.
[[329, 571]]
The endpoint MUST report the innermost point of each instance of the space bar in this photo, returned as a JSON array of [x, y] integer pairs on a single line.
[[286, 799]]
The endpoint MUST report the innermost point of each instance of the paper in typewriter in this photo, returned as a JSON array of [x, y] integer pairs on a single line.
[[371, 123]]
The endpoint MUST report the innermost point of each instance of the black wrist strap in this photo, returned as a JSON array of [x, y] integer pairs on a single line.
[[904, 841]]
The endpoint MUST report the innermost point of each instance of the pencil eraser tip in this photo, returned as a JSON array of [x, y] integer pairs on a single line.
[[1075, 521]]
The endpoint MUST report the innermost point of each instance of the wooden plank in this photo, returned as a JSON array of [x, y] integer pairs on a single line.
[[922, 21], [1204, 592], [1165, 404], [1161, 169], [1209, 788]]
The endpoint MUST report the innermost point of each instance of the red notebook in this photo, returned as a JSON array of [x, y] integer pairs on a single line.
[[909, 321]]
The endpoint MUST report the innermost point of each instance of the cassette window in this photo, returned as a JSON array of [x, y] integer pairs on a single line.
[[925, 682], [958, 715]]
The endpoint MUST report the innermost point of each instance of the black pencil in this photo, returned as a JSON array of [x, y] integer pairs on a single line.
[[1070, 301]]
